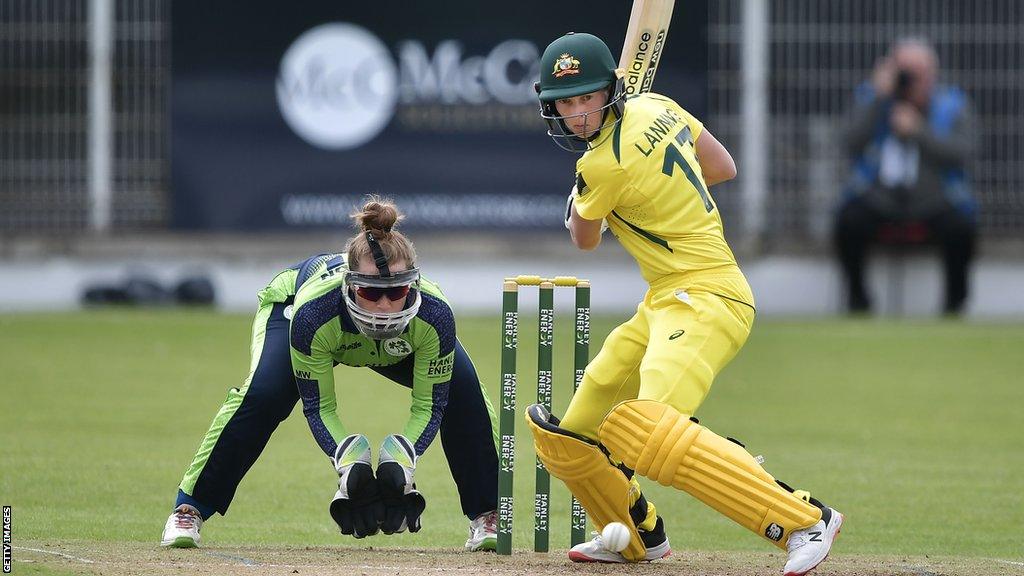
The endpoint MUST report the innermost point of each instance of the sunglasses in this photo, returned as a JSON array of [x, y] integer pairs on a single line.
[[374, 294]]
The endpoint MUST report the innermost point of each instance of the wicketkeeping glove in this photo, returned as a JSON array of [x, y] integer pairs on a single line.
[[403, 504], [357, 507]]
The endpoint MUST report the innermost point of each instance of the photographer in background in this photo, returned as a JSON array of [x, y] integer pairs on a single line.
[[910, 140]]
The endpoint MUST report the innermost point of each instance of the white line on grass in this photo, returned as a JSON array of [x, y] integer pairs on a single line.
[[61, 554], [425, 569], [386, 567], [396, 569], [243, 560], [1010, 562], [249, 562]]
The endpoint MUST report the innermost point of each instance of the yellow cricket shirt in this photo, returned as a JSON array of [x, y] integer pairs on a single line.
[[644, 179]]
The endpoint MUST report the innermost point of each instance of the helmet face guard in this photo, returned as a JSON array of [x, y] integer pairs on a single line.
[[378, 325], [573, 65], [565, 138]]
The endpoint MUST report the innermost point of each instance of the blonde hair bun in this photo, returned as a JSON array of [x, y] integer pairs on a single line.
[[378, 215]]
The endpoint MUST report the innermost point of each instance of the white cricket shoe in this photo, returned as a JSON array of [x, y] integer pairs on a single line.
[[809, 547], [595, 551], [182, 528], [483, 532]]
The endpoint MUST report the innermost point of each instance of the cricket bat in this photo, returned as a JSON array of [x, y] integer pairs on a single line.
[[645, 40]]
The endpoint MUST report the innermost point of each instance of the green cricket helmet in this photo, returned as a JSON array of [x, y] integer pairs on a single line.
[[573, 65]]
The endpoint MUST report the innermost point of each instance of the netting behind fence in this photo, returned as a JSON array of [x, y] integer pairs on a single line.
[[44, 115], [820, 50]]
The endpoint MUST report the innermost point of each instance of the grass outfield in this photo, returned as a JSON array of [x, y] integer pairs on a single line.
[[913, 430]]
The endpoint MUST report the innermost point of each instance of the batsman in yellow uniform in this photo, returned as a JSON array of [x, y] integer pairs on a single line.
[[644, 174]]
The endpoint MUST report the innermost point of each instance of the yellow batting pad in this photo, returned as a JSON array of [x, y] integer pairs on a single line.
[[601, 488], [657, 441]]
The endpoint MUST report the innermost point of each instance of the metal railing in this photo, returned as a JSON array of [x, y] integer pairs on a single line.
[[814, 53], [76, 154], [817, 52]]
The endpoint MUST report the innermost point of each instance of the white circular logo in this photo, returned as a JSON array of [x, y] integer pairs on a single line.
[[397, 347], [288, 311], [337, 86]]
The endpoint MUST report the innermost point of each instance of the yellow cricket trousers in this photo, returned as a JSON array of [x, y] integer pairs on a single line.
[[683, 334]]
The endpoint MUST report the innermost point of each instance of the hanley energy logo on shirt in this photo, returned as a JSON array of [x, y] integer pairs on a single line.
[[441, 366]]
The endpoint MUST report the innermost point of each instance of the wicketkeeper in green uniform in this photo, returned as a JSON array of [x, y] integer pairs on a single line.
[[369, 308]]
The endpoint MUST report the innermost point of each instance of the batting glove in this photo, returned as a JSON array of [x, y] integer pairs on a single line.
[[568, 212], [568, 207]]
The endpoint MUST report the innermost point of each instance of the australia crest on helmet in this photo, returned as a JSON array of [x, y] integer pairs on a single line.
[[566, 65]]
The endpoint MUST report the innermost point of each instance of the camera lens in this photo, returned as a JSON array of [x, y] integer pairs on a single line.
[[904, 81]]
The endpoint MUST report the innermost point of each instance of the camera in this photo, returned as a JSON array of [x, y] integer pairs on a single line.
[[904, 82]]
